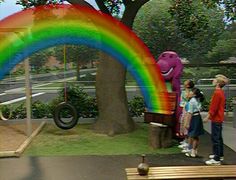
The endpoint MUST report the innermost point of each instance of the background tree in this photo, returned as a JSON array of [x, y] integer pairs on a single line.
[[38, 59], [199, 26], [114, 117], [226, 46], [78, 55]]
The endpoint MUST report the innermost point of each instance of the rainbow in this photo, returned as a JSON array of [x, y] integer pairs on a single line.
[[47, 26]]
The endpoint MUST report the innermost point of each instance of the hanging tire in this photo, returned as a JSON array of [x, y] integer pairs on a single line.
[[6, 116], [61, 117]]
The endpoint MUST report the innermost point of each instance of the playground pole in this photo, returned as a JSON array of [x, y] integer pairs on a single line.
[[234, 115], [28, 97]]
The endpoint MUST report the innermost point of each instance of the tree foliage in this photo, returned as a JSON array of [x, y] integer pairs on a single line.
[[76, 54], [114, 7], [181, 10], [35, 3], [226, 46], [161, 32], [38, 59], [229, 7], [190, 18]]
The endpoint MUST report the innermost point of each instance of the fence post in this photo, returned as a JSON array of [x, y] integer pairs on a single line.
[[234, 115]]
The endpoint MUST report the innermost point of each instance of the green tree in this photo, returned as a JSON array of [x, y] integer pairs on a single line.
[[226, 46], [161, 32], [157, 31], [38, 59], [200, 23], [78, 55], [188, 22]]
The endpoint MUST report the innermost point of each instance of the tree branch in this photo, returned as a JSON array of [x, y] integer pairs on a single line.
[[102, 6], [131, 9], [80, 2], [138, 2]]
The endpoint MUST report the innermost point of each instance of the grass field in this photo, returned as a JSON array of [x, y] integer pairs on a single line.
[[81, 140]]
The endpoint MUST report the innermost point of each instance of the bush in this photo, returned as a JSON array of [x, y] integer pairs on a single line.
[[19, 112], [228, 106], [205, 105], [85, 105], [136, 106], [40, 110]]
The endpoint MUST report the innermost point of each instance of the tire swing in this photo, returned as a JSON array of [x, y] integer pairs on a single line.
[[65, 115], [5, 116]]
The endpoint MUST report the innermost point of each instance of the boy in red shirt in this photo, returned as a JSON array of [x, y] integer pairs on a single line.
[[216, 115]]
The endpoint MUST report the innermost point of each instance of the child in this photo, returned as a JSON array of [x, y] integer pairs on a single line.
[[196, 124], [216, 115], [188, 85]]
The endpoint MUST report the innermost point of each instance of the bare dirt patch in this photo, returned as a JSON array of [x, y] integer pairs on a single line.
[[13, 134]]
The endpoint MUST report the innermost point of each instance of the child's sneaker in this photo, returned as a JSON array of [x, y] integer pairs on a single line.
[[212, 162], [192, 153], [212, 157], [183, 146], [186, 150]]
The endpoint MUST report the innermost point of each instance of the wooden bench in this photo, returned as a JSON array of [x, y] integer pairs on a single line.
[[163, 118], [185, 172]]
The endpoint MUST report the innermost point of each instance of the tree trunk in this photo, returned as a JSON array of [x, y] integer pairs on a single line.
[[111, 97], [110, 80], [78, 71]]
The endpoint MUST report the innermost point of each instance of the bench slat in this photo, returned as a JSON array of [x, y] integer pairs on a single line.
[[185, 172]]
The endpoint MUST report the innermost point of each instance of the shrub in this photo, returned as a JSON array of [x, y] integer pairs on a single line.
[[85, 105], [19, 112], [40, 110], [136, 106]]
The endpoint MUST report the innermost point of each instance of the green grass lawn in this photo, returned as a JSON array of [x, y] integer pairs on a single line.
[[81, 140]]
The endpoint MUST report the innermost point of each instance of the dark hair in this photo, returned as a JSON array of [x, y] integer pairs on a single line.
[[191, 84], [198, 94]]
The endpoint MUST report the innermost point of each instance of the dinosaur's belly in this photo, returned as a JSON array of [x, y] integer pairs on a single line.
[[169, 86]]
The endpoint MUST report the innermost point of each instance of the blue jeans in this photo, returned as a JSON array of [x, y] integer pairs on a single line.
[[217, 140]]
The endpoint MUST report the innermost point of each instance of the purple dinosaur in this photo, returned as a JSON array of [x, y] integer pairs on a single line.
[[171, 68]]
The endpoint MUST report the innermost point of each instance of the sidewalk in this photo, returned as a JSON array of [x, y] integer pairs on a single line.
[[106, 167], [229, 133]]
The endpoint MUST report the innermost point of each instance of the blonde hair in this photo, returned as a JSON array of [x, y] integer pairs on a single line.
[[222, 80]]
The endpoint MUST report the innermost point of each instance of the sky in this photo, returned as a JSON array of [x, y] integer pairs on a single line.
[[9, 7]]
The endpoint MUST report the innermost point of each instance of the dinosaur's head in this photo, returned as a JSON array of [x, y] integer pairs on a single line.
[[170, 65]]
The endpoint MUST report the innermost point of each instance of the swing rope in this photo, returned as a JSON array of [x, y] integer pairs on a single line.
[[59, 121], [65, 105], [64, 59]]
